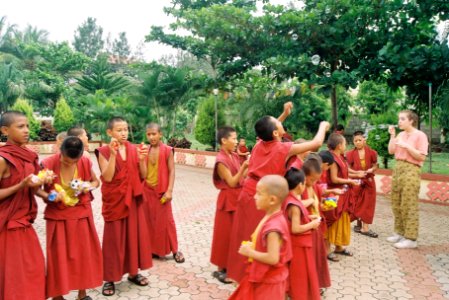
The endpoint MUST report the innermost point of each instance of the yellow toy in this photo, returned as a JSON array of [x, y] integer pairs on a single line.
[[330, 203], [44, 176], [163, 200], [66, 199]]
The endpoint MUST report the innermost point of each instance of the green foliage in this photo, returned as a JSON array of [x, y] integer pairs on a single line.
[[205, 124], [63, 116], [120, 46], [101, 77], [378, 139], [10, 85], [25, 107], [89, 38]]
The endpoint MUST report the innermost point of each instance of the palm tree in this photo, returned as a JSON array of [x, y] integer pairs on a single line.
[[32, 35], [10, 86], [101, 77]]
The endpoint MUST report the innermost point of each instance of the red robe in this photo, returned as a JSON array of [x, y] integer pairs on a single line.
[[22, 265], [126, 238], [262, 281], [319, 243], [295, 162], [303, 277], [345, 201], [243, 149], [267, 158], [224, 213], [74, 258], [162, 224], [365, 194]]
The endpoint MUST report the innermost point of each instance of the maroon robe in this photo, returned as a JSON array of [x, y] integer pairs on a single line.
[[126, 237], [226, 205], [267, 158], [345, 201], [262, 281], [162, 224], [22, 266], [74, 258], [243, 149], [319, 242], [365, 194]]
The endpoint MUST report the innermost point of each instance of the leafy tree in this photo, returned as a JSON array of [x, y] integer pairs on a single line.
[[63, 116], [205, 124], [101, 77], [25, 107], [378, 139], [120, 46], [6, 34], [89, 38], [32, 35], [10, 85]]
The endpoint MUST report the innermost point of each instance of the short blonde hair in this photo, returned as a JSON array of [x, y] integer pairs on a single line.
[[411, 115]]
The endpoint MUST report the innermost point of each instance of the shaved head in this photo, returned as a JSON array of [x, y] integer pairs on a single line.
[[154, 126], [10, 117], [275, 185]]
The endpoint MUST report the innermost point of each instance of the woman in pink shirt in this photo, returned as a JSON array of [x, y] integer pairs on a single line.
[[410, 148]]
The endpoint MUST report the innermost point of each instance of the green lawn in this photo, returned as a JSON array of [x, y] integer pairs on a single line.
[[195, 144]]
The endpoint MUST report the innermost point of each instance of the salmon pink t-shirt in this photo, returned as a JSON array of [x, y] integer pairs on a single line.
[[418, 140]]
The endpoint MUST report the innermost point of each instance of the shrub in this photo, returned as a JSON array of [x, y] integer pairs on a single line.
[[63, 116]]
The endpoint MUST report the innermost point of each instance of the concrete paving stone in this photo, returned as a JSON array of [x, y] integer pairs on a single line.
[[377, 270]]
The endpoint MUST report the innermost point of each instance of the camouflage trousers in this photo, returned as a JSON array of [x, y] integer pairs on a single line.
[[405, 199]]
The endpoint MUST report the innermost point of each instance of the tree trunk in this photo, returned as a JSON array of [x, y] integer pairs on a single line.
[[385, 162], [174, 122], [334, 106]]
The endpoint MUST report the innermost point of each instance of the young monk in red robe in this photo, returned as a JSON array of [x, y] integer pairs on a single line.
[[158, 169], [74, 259], [303, 277], [228, 178], [22, 266], [126, 238], [313, 167], [269, 156], [242, 151], [339, 219], [270, 249], [363, 158], [82, 134]]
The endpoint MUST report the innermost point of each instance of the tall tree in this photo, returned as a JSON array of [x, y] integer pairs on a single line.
[[10, 85], [120, 46], [89, 38]]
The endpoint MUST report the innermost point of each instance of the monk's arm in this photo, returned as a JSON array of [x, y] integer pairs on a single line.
[[94, 182], [171, 172], [356, 174], [334, 176], [287, 111], [308, 202], [107, 167], [295, 215], [226, 175], [6, 192], [312, 145], [271, 257], [143, 168]]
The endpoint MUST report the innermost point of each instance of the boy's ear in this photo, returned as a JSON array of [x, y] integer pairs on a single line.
[[275, 133], [108, 132], [4, 130]]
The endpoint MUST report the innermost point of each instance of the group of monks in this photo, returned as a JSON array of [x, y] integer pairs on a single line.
[[275, 223], [272, 231], [137, 185]]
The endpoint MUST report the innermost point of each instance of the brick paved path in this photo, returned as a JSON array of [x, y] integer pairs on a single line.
[[377, 270]]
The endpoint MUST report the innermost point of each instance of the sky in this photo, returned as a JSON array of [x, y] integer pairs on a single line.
[[61, 19]]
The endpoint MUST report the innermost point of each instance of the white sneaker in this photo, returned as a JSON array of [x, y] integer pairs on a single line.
[[395, 238], [406, 244]]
